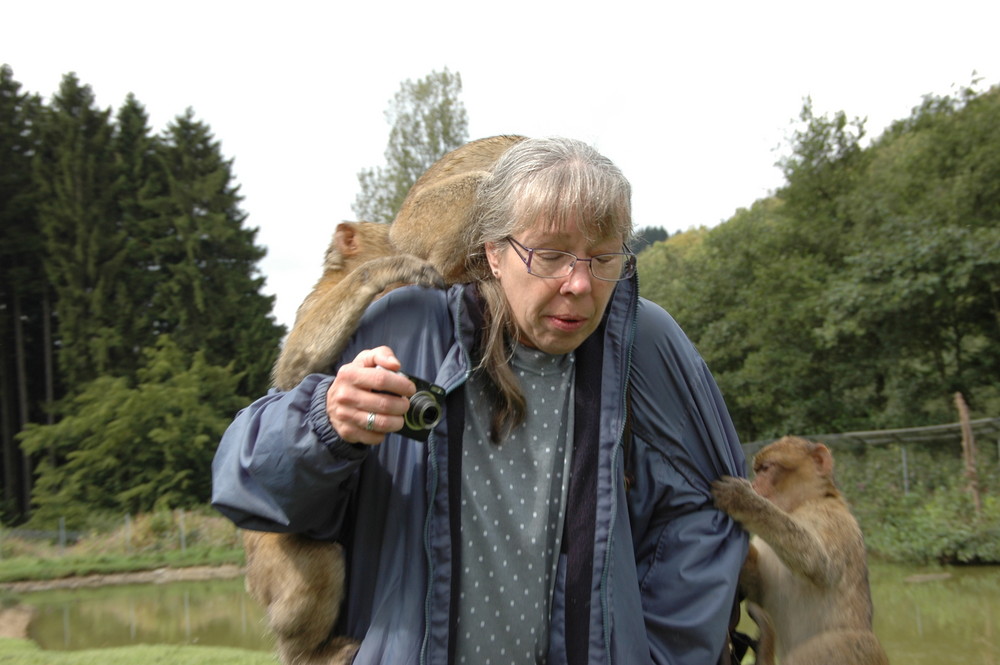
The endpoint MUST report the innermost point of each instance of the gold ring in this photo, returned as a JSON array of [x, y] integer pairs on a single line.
[[371, 421]]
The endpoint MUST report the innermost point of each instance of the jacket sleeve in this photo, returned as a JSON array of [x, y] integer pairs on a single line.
[[280, 459], [281, 466], [688, 553]]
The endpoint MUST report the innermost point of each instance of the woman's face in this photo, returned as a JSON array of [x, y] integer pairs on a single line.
[[553, 315]]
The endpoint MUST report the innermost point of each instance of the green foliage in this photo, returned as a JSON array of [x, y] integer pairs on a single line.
[[112, 239], [865, 293], [148, 541], [428, 120], [86, 255], [207, 286], [929, 518], [130, 448]]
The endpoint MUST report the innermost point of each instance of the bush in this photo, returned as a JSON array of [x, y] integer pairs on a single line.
[[935, 520]]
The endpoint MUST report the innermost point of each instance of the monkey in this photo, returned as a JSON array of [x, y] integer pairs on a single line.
[[359, 264], [426, 244], [300, 582], [806, 568]]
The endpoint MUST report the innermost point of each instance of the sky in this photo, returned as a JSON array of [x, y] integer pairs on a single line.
[[695, 101]]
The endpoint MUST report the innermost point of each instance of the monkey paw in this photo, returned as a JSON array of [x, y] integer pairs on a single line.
[[732, 494]]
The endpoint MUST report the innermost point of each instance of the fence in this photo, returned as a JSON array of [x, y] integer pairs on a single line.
[[983, 429]]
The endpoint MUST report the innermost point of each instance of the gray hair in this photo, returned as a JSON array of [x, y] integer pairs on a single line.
[[550, 182], [537, 183]]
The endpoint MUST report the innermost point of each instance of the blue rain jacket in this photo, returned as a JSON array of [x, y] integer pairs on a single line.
[[647, 573]]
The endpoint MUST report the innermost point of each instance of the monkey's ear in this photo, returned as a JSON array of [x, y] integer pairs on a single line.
[[346, 239], [823, 458]]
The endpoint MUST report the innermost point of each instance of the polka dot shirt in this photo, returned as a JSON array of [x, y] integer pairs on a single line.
[[513, 502]]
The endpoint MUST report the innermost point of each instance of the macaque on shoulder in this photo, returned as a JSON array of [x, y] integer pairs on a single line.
[[300, 582], [806, 570]]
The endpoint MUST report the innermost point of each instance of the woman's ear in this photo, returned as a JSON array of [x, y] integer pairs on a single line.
[[493, 253]]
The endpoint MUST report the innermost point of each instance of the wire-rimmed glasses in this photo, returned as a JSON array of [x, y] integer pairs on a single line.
[[553, 263]]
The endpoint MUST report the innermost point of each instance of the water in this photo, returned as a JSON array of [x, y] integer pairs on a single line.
[[952, 620], [217, 613]]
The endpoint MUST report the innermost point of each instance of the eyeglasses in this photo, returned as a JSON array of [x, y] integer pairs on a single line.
[[553, 264]]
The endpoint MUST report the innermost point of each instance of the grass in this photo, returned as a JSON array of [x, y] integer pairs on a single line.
[[21, 568], [146, 542], [26, 652]]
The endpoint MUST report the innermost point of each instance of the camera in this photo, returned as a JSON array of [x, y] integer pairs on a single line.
[[426, 409]]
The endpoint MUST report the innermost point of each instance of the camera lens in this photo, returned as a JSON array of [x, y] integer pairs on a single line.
[[424, 411]]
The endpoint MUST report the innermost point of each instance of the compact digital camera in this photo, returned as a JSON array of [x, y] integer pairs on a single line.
[[426, 409]]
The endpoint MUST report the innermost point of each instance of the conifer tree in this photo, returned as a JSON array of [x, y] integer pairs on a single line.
[[85, 243], [24, 382], [208, 295]]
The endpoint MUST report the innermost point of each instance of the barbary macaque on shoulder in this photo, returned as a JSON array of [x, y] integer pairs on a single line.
[[300, 582]]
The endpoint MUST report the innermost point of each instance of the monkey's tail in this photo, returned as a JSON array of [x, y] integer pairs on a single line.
[[765, 643]]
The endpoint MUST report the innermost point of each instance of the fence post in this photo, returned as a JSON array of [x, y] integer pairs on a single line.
[[969, 453], [906, 472], [180, 519], [128, 533], [62, 536]]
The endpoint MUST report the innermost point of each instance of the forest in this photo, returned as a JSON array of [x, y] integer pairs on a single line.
[[863, 294]]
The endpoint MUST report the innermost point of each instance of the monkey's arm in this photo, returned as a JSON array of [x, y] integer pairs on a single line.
[[798, 547], [327, 319]]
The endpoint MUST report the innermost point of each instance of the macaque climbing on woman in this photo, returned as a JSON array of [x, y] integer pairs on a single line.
[[807, 565]]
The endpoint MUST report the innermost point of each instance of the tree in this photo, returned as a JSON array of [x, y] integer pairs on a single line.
[[647, 237], [24, 307], [85, 244], [427, 120], [130, 447], [918, 291], [208, 295]]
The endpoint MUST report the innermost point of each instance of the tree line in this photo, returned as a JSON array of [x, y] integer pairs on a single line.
[[865, 292], [131, 314]]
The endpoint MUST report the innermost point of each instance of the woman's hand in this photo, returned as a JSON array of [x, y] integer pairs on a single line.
[[365, 400]]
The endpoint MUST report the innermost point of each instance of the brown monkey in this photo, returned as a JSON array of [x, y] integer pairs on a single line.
[[331, 311], [300, 581], [425, 242], [807, 566]]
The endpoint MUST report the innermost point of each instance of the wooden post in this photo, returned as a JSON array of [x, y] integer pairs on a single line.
[[906, 471], [969, 452]]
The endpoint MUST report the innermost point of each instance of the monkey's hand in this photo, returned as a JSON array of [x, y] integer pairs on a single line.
[[736, 497]]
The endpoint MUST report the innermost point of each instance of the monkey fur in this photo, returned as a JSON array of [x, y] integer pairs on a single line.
[[806, 574], [300, 582]]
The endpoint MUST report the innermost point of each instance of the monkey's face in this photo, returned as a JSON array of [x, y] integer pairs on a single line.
[[765, 473], [786, 472], [554, 315]]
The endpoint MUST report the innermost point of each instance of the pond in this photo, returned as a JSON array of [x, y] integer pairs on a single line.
[[923, 616]]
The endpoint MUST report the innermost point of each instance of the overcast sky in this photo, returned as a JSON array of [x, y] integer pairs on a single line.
[[694, 101]]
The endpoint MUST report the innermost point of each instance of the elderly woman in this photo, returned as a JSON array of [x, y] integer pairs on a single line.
[[560, 511]]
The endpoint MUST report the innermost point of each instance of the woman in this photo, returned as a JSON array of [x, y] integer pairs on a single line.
[[511, 534]]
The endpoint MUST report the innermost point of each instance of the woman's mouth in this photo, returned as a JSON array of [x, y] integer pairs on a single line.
[[568, 323]]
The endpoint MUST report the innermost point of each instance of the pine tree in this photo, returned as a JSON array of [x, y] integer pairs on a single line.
[[208, 296], [25, 385], [85, 243]]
